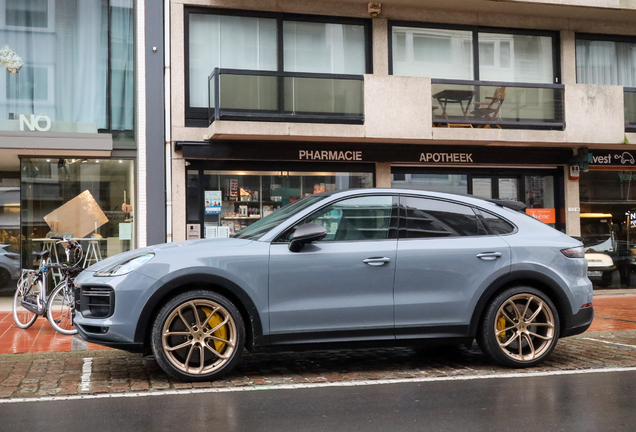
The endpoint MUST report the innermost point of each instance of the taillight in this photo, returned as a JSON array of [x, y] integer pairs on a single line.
[[575, 252], [586, 305]]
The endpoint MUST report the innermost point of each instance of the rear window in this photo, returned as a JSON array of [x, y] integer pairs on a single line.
[[497, 225]]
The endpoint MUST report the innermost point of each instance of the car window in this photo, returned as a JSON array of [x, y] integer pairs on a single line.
[[269, 222], [435, 218], [361, 218], [495, 224]]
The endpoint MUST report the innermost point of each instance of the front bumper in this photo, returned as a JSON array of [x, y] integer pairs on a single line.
[[90, 337]]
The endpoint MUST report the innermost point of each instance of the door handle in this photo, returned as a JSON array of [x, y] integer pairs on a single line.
[[489, 256], [376, 261]]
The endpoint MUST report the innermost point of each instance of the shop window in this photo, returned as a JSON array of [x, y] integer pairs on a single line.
[[227, 202], [426, 218], [76, 77], [90, 200]]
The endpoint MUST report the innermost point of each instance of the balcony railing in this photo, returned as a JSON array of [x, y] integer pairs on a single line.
[[497, 104], [235, 94], [630, 109]]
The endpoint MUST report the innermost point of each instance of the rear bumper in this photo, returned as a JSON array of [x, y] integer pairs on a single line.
[[579, 322]]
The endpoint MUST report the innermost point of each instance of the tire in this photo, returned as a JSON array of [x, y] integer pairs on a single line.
[[183, 343], [60, 310], [505, 339], [5, 277], [22, 317]]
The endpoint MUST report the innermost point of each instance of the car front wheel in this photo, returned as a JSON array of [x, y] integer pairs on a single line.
[[198, 336], [520, 327]]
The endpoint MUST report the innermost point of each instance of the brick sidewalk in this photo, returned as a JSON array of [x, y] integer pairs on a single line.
[[27, 376], [111, 371]]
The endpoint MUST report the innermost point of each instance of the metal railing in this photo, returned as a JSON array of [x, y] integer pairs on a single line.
[[630, 108], [236, 94], [497, 104]]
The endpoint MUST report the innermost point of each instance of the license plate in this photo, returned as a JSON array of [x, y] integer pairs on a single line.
[[595, 273]]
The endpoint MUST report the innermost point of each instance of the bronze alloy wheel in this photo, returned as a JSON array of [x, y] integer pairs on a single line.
[[524, 327], [199, 337], [520, 327]]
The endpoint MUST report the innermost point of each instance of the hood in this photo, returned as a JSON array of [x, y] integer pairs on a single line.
[[168, 248]]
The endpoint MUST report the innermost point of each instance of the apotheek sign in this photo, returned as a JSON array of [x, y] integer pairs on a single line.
[[447, 157]]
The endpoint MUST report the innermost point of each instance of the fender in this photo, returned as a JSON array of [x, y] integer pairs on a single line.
[[551, 287], [199, 275]]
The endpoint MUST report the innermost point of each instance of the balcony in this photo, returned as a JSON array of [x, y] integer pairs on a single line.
[[497, 104], [235, 94], [630, 109]]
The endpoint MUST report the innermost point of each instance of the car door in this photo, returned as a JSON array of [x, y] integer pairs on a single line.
[[445, 259], [340, 288]]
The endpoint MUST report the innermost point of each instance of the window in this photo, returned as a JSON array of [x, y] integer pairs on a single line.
[[242, 40], [495, 224], [433, 218], [78, 76], [30, 14], [605, 62], [447, 53], [363, 218], [432, 52]]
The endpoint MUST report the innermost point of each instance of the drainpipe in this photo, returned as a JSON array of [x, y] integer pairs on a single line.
[[168, 125]]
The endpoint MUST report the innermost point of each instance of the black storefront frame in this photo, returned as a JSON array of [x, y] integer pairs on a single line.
[[198, 117], [495, 173], [250, 166]]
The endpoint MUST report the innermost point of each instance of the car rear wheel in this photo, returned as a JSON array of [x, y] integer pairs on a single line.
[[520, 327], [198, 336]]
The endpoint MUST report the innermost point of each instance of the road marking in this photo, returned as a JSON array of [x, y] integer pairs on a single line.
[[87, 368], [611, 343], [320, 385]]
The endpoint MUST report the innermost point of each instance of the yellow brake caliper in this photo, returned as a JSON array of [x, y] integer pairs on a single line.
[[221, 333], [501, 324]]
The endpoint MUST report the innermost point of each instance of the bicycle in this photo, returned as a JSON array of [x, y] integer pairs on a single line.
[[31, 300]]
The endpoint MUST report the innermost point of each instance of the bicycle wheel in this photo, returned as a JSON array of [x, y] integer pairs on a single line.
[[23, 317], [60, 309]]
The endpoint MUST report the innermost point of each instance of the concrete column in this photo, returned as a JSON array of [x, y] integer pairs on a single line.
[[568, 57], [178, 197], [572, 206], [380, 44], [383, 174]]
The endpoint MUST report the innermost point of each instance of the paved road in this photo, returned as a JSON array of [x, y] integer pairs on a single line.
[[572, 402]]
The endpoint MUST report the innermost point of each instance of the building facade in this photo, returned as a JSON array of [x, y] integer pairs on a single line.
[[74, 143], [271, 101]]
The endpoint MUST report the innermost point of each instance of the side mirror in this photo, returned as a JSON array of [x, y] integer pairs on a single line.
[[304, 234]]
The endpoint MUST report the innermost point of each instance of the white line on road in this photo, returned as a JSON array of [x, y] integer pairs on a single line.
[[611, 343], [319, 385], [87, 368]]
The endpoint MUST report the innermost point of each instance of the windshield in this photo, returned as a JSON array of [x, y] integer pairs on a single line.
[[258, 229]]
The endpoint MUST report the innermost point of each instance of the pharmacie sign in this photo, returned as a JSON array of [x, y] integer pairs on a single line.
[[330, 155]]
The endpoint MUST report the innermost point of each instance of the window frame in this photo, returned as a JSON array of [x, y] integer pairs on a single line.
[[198, 117], [555, 35]]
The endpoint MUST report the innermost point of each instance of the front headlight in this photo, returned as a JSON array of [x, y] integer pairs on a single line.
[[125, 267]]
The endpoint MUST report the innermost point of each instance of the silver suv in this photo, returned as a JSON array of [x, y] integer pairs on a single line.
[[389, 266]]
